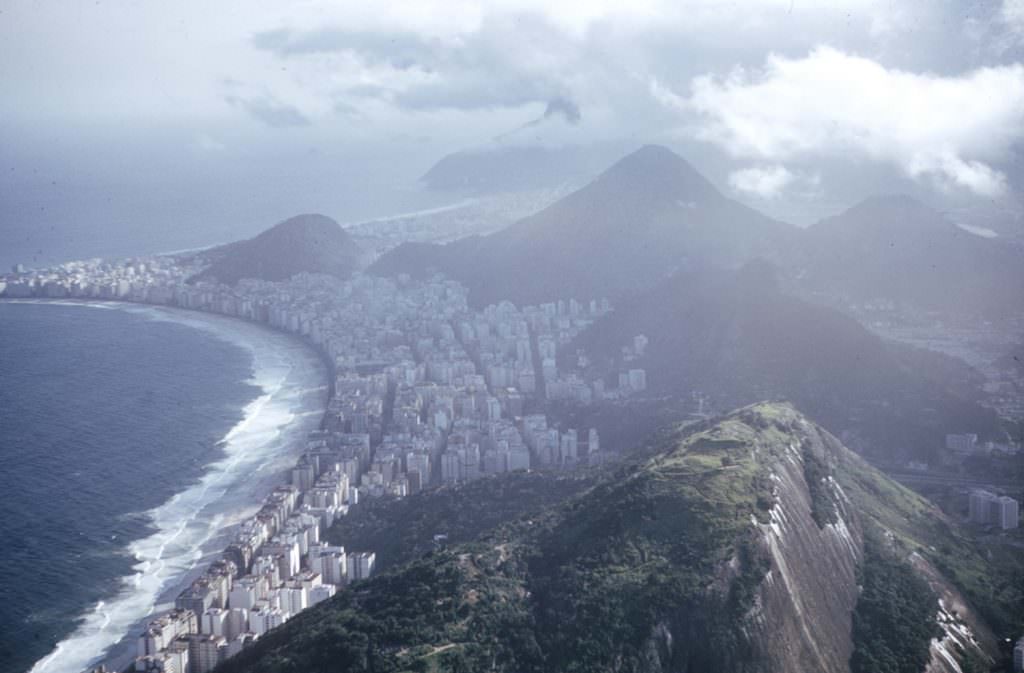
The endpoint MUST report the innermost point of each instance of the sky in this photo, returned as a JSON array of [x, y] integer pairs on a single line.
[[225, 116]]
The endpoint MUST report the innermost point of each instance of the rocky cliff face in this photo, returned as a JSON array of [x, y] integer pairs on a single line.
[[801, 615], [801, 619], [965, 635], [743, 544]]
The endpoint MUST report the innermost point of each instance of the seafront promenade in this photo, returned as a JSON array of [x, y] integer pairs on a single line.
[[423, 391]]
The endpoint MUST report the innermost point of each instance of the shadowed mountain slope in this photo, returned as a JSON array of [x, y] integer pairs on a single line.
[[736, 337], [648, 215], [499, 168], [896, 248], [304, 243]]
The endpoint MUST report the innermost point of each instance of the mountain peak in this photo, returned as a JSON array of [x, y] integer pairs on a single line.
[[891, 204], [309, 242], [655, 171], [653, 152], [649, 214], [887, 214], [513, 167], [304, 220]]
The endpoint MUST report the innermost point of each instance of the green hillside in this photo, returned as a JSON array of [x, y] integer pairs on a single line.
[[739, 533]]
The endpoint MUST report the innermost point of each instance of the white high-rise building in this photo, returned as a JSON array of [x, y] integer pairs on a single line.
[[569, 447], [205, 652], [246, 591], [330, 563], [240, 642], [178, 657], [638, 379], [640, 344], [962, 444], [360, 565], [288, 556], [419, 462], [294, 598], [987, 508], [265, 618], [214, 621], [450, 467], [980, 504], [1018, 656], [493, 409], [163, 630], [321, 593]]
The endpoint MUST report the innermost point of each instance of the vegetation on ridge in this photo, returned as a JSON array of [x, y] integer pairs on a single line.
[[655, 565], [895, 617], [400, 530]]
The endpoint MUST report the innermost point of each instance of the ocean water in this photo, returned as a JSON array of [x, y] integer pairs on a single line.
[[131, 440], [59, 203]]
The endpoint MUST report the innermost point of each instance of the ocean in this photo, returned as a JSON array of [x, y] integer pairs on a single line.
[[62, 205], [131, 439]]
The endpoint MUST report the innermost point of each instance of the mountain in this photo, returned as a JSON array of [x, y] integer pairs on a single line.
[[304, 243], [737, 338], [754, 543], [510, 168], [648, 215], [651, 213], [896, 248]]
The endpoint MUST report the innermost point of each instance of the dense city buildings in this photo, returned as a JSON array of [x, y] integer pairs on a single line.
[[425, 391], [989, 509]]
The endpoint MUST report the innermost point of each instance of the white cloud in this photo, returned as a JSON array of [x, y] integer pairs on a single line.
[[206, 144], [1012, 14], [834, 104], [767, 182], [423, 67]]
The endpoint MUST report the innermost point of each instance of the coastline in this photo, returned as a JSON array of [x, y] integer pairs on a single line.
[[192, 527], [467, 201], [368, 330]]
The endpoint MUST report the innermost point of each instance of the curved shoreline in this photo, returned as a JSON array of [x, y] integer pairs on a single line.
[[192, 527], [127, 304]]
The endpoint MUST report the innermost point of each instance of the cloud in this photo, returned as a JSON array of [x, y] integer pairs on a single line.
[[767, 182], [270, 111], [832, 104], [1012, 15], [490, 56], [564, 108], [399, 50], [435, 61], [559, 115], [208, 144], [485, 68]]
